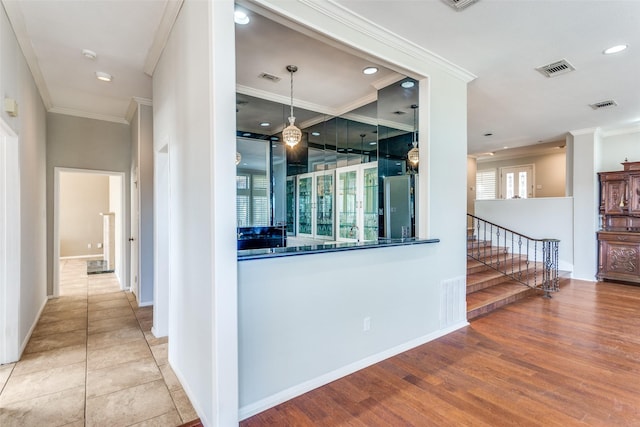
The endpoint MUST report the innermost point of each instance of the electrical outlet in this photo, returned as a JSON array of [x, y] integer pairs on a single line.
[[366, 324], [89, 246]]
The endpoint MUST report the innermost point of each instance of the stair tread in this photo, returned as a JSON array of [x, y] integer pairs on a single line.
[[495, 293]]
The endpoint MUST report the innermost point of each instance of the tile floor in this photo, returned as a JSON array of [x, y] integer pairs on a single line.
[[92, 361]]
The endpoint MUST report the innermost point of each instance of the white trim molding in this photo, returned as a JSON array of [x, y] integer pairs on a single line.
[[9, 245]]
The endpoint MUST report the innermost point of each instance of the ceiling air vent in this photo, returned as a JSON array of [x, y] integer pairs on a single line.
[[458, 5], [603, 104], [556, 68], [270, 77], [399, 112]]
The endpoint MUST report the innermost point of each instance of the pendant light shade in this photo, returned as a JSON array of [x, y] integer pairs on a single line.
[[414, 154], [291, 134]]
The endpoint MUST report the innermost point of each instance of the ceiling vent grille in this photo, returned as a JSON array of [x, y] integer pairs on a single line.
[[399, 112], [270, 77], [459, 5], [603, 104], [556, 68]]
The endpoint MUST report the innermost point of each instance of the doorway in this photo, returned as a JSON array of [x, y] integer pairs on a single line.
[[516, 182], [92, 233]]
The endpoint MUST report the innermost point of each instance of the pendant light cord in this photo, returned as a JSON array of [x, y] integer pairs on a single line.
[[291, 73]]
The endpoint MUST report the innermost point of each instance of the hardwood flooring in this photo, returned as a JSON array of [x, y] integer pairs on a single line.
[[570, 360]]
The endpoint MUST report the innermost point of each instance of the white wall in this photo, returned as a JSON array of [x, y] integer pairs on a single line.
[[194, 95], [305, 328], [618, 146], [538, 218], [80, 143], [17, 83]]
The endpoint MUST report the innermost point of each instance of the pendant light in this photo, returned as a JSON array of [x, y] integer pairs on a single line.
[[414, 154], [291, 134]]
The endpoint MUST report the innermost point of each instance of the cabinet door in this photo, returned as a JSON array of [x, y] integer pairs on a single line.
[[324, 204], [347, 196], [305, 200], [614, 196], [634, 194], [370, 203], [291, 205]]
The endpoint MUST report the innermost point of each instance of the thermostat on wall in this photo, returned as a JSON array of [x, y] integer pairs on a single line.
[[11, 107]]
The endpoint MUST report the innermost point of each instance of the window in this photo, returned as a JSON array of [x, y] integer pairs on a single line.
[[252, 203], [486, 184]]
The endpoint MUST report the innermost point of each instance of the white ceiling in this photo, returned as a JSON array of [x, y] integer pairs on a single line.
[[500, 41]]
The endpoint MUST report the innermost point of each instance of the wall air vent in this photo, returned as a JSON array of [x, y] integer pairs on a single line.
[[556, 68], [399, 112], [459, 5], [603, 104], [269, 77]]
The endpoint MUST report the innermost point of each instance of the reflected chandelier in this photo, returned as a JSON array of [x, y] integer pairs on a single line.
[[414, 154], [291, 135]]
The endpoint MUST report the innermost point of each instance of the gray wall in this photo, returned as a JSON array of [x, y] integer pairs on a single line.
[[76, 142], [17, 83]]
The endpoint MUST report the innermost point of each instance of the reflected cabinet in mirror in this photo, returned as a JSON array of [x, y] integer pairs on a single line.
[[334, 185]]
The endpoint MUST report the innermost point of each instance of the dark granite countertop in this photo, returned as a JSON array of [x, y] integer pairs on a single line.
[[249, 254]]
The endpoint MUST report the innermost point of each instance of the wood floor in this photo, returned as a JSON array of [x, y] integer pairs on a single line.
[[570, 360]]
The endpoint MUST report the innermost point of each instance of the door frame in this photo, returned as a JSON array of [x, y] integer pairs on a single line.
[[10, 261], [120, 259]]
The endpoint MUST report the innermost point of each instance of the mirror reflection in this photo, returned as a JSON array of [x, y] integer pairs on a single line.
[[349, 179]]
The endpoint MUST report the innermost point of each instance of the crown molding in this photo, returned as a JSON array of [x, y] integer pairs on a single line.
[[87, 115], [16, 18], [343, 25], [585, 131], [133, 106], [622, 131], [171, 10]]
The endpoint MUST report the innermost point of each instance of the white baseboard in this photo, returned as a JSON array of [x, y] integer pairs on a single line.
[[81, 256], [33, 327], [288, 394], [185, 386], [145, 304]]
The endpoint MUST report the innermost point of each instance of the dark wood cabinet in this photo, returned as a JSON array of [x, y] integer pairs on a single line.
[[619, 238]]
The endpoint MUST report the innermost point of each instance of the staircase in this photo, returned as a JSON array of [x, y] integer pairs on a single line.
[[500, 274]]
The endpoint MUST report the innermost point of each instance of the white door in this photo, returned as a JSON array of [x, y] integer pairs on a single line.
[[516, 182], [133, 238]]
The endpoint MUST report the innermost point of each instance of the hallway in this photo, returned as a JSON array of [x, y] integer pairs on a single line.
[[92, 361]]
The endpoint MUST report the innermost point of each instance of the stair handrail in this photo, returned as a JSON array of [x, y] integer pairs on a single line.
[[521, 269]]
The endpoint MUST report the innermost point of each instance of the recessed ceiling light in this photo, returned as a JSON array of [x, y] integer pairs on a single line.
[[265, 124], [407, 84], [315, 133], [615, 49], [373, 143], [246, 134], [274, 138], [370, 70], [241, 17], [103, 76], [89, 54], [505, 147]]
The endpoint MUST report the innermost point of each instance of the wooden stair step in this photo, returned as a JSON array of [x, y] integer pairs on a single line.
[[491, 298]]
